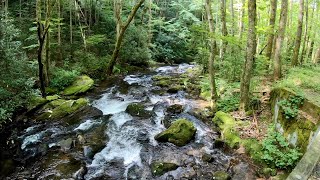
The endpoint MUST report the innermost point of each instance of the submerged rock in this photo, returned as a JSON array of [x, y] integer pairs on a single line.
[[179, 133], [81, 85], [137, 109], [159, 168], [66, 144], [175, 109], [221, 175]]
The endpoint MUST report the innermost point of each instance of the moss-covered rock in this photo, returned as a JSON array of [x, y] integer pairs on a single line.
[[159, 168], [81, 85], [227, 124], [61, 108], [297, 130], [137, 109], [37, 101], [179, 133], [221, 175]]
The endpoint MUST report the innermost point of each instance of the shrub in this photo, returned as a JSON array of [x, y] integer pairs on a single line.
[[63, 78], [291, 105], [135, 49], [277, 152], [15, 70]]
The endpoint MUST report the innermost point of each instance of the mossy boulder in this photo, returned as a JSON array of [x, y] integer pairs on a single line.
[[159, 168], [61, 108], [221, 175], [179, 133], [81, 85], [37, 101], [137, 109], [227, 125]]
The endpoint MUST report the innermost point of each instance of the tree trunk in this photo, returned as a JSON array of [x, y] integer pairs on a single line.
[[213, 94], [317, 56], [310, 39], [59, 34], [282, 30], [47, 44], [150, 24], [241, 24], [303, 52], [273, 12], [70, 23], [250, 56], [224, 30], [296, 50], [40, 48], [122, 30]]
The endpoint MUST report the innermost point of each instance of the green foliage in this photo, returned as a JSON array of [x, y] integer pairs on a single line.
[[15, 71], [135, 49], [89, 63], [229, 103], [291, 105], [277, 152], [62, 78]]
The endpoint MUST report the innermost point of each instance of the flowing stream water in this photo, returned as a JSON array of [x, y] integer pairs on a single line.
[[118, 145]]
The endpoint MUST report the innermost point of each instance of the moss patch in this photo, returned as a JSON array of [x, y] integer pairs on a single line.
[[179, 133], [137, 109], [81, 85], [61, 108]]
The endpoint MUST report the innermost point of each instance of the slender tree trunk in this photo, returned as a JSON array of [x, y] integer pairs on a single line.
[[213, 96], [317, 56], [310, 40], [296, 50], [150, 24], [241, 24], [250, 56], [70, 23], [282, 30], [117, 15], [47, 44], [273, 12], [41, 38], [303, 52], [224, 30], [59, 33], [119, 39]]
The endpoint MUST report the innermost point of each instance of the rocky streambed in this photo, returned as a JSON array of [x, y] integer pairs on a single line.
[[148, 126]]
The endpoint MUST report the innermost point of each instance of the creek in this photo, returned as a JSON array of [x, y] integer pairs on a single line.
[[118, 145]]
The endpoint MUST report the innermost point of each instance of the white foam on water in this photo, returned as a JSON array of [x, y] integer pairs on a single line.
[[122, 145], [88, 124], [120, 118], [31, 139], [140, 80], [110, 105]]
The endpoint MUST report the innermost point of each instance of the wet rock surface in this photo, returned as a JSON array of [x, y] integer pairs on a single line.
[[105, 141]]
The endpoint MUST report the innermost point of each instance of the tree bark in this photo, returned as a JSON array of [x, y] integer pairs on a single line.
[[317, 56], [279, 40], [224, 30], [213, 94], [119, 39], [273, 12], [59, 33], [303, 52], [250, 56], [241, 24], [296, 50]]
